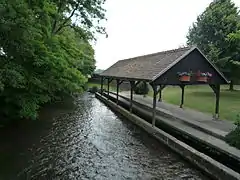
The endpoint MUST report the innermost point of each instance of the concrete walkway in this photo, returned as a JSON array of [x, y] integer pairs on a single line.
[[192, 129], [202, 121]]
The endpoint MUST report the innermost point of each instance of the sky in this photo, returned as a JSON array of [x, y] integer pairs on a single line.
[[138, 27]]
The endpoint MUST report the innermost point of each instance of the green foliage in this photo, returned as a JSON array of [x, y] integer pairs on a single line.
[[233, 138], [216, 33], [44, 54], [184, 74], [142, 88]]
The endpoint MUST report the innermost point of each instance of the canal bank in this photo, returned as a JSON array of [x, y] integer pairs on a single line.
[[204, 162]]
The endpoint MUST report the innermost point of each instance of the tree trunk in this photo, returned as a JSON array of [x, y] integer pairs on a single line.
[[231, 86]]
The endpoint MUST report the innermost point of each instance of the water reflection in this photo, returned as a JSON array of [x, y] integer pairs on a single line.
[[87, 141]]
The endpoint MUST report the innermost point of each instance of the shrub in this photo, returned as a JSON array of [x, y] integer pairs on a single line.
[[93, 89], [142, 88], [233, 138]]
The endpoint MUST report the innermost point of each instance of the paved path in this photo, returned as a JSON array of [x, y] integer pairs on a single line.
[[191, 117], [211, 140]]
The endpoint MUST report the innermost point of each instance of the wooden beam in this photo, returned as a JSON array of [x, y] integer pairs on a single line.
[[128, 79], [120, 82], [111, 79], [137, 83]]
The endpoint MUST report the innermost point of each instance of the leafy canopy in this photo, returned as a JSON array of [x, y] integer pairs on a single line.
[[216, 33], [45, 51]]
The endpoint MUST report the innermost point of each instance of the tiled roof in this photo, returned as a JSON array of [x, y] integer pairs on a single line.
[[146, 67]]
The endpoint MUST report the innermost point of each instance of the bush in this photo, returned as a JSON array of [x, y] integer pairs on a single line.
[[233, 138], [93, 89], [142, 88]]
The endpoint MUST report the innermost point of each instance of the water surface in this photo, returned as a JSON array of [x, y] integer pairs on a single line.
[[83, 139]]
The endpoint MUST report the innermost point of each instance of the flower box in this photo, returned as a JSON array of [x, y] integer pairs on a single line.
[[203, 77], [184, 76]]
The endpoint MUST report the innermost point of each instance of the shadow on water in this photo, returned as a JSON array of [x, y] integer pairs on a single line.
[[83, 139]]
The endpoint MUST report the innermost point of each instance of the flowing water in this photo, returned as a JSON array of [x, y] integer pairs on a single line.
[[83, 139]]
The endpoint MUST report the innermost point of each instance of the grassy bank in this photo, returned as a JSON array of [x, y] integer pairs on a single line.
[[202, 98]]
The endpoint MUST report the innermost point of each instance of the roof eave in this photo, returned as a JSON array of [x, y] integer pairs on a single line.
[[126, 78]]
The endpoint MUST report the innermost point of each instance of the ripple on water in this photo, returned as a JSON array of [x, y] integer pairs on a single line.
[[91, 142]]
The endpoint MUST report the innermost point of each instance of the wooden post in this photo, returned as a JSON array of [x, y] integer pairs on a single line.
[[217, 93], [117, 89], [154, 104], [182, 99], [108, 82], [216, 90], [101, 85], [132, 83], [160, 94]]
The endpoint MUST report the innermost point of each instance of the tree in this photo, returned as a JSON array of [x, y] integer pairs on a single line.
[[45, 52], [234, 63], [142, 88], [213, 34]]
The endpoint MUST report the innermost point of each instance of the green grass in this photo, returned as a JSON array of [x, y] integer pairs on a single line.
[[202, 98]]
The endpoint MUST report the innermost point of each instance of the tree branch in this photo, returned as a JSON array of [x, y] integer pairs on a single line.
[[55, 20], [64, 23]]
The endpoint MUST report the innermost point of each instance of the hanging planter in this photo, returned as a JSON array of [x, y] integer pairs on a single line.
[[203, 77], [184, 76]]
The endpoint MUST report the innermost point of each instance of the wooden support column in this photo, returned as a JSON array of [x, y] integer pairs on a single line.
[[217, 102], [108, 82], [154, 87], [160, 95], [132, 83], [102, 79], [118, 84], [117, 89], [182, 98], [160, 92], [216, 90]]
